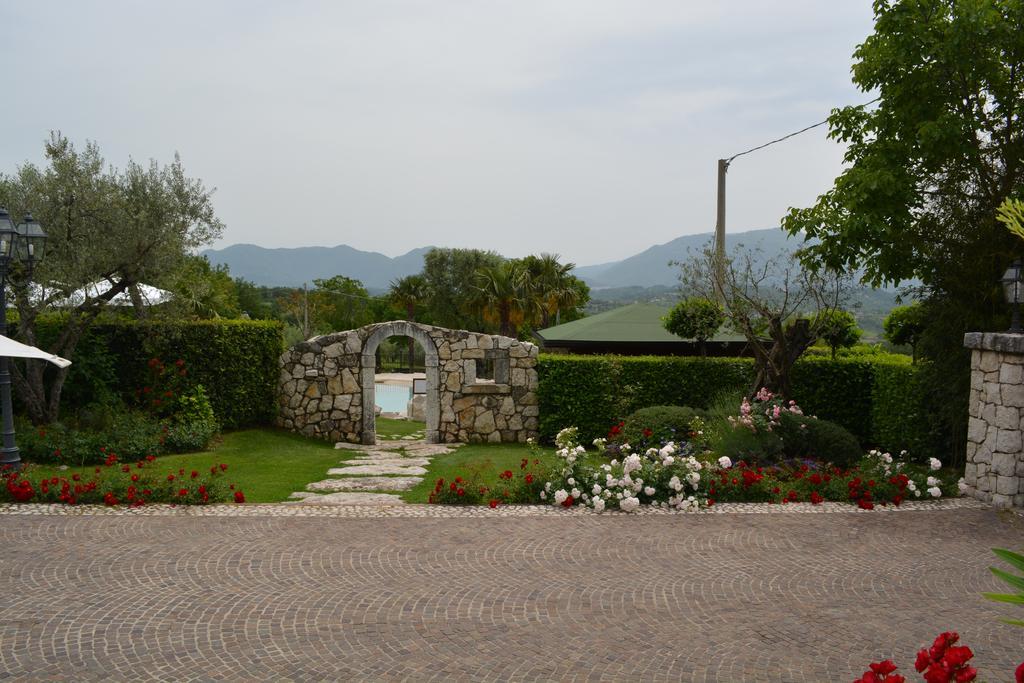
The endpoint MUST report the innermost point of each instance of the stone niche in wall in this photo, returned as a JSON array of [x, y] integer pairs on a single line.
[[326, 385], [995, 463]]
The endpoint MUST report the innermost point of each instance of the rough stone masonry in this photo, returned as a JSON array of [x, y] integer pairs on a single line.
[[326, 386], [995, 452]]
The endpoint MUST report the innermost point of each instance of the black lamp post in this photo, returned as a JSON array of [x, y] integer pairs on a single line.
[[24, 244], [1013, 288]]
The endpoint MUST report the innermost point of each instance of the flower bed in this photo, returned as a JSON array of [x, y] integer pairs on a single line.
[[115, 483]]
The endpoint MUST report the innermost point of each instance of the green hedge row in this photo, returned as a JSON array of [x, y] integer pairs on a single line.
[[236, 361], [877, 398]]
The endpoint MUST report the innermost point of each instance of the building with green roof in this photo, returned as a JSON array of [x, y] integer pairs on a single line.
[[635, 329]]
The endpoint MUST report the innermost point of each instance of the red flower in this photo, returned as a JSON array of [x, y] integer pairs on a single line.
[[815, 498], [529, 478], [170, 477], [453, 486], [194, 474], [110, 499], [239, 497], [966, 674], [223, 467], [923, 660], [135, 477], [884, 668], [647, 433], [460, 492], [1019, 674], [182, 492], [569, 500], [493, 504]]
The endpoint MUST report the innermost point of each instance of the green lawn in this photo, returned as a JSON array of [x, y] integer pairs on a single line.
[[267, 464], [270, 464]]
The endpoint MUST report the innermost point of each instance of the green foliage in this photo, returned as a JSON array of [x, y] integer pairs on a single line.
[[202, 290], [235, 361], [132, 435], [695, 318], [807, 437], [450, 274], [1014, 581], [878, 398], [904, 326], [837, 328], [194, 422], [657, 425]]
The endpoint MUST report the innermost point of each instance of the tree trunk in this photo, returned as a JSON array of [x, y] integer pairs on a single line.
[[137, 303], [775, 365]]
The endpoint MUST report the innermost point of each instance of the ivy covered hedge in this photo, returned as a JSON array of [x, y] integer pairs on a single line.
[[234, 360], [877, 398]]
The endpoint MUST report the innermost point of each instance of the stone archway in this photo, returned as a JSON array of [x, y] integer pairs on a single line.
[[326, 385], [368, 369]]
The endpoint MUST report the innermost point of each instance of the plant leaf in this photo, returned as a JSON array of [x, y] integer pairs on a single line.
[[1005, 597], [1011, 558], [1008, 578]]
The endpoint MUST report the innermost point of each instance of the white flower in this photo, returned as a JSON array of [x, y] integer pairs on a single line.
[[543, 496], [575, 493], [599, 443], [651, 452], [629, 504], [547, 486], [667, 462], [560, 496], [614, 462], [598, 505], [887, 458], [626, 447], [911, 485], [962, 485], [934, 463], [675, 484], [917, 493], [531, 441], [724, 462], [619, 495], [693, 478], [648, 490], [935, 492], [667, 450], [570, 481], [631, 463], [596, 490], [932, 481]]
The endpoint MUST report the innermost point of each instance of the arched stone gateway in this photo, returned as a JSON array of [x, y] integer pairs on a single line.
[[326, 387]]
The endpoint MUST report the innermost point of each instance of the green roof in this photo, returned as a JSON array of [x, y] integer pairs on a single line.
[[632, 323]]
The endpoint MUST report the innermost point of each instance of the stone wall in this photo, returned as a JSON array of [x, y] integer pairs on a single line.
[[327, 383], [995, 462]]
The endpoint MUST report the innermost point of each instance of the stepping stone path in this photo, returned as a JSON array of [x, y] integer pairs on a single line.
[[365, 478]]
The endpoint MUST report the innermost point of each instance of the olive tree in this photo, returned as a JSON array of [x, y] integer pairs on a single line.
[[119, 227], [775, 303]]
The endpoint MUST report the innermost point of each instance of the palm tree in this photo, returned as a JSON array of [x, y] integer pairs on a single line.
[[501, 295], [406, 293], [551, 289]]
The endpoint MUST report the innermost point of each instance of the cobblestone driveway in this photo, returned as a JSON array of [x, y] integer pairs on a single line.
[[730, 597]]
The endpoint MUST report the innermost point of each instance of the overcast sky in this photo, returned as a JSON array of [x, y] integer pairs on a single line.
[[589, 128]]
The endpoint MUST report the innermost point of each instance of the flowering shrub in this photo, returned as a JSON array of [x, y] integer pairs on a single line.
[[520, 486], [655, 426], [673, 476], [116, 483], [943, 662]]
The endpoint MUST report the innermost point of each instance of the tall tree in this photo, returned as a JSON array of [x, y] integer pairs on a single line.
[[450, 277], [501, 295], [551, 288], [343, 302], [926, 169], [407, 294], [838, 329], [124, 227]]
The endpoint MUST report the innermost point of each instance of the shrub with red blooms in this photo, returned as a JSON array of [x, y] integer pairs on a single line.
[[943, 662], [115, 484], [477, 486]]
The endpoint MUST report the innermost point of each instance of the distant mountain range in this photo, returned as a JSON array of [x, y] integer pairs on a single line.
[[293, 267], [650, 267], [290, 267]]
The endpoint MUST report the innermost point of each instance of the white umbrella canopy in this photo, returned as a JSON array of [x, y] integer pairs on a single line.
[[15, 349], [151, 296]]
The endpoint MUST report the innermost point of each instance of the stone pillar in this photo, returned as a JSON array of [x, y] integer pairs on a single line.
[[995, 452]]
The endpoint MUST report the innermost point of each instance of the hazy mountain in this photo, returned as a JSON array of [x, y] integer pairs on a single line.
[[650, 267], [292, 267]]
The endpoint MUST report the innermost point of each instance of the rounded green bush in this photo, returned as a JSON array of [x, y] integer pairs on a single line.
[[658, 425], [808, 437]]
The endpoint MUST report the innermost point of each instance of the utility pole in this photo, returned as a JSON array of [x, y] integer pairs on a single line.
[[305, 310], [723, 166]]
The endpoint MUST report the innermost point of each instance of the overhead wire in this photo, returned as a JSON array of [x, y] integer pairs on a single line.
[[786, 137]]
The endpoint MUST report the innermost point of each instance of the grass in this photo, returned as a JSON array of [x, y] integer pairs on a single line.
[[488, 460], [267, 464], [389, 430]]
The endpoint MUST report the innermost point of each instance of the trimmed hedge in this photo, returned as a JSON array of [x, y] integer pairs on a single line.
[[877, 398], [236, 361]]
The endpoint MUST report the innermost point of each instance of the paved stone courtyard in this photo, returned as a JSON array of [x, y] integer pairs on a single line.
[[176, 596]]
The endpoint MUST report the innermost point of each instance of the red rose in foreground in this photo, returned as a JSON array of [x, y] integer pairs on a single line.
[[239, 497], [493, 504], [1020, 673]]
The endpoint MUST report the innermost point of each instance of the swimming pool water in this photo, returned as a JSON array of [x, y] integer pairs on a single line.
[[392, 398]]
